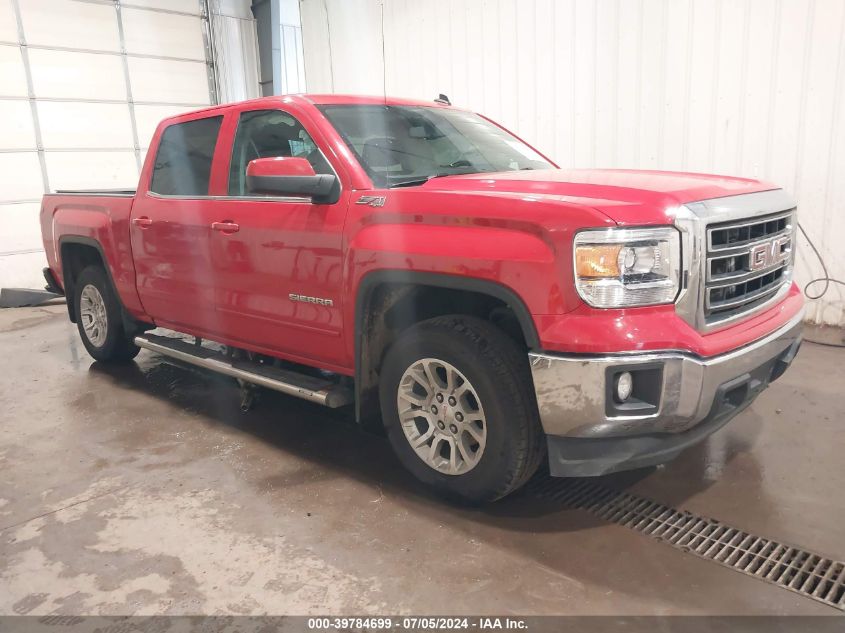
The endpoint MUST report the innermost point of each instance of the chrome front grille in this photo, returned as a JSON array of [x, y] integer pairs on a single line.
[[747, 262]]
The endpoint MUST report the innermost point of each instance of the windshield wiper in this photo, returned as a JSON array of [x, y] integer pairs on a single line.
[[412, 182]]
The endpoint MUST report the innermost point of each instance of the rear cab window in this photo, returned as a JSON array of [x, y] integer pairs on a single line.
[[184, 157]]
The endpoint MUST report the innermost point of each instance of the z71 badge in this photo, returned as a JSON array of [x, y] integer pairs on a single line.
[[373, 201]]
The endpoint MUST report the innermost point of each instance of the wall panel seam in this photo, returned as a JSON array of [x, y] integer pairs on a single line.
[[743, 81], [662, 109], [836, 122], [714, 102], [802, 110], [638, 91], [773, 82], [136, 144], [140, 7], [687, 87], [121, 53], [36, 123]]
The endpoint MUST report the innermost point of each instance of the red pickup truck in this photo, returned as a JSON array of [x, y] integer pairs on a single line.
[[422, 263]]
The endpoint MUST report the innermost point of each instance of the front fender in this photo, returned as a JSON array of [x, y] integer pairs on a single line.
[[516, 266], [521, 261]]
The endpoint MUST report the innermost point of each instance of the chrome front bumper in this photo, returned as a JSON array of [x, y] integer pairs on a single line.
[[572, 391]]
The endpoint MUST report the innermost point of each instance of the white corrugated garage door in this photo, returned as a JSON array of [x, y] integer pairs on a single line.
[[84, 83]]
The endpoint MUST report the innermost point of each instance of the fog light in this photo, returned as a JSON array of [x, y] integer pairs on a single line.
[[624, 386]]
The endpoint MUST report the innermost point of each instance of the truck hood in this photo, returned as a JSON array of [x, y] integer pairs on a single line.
[[625, 196]]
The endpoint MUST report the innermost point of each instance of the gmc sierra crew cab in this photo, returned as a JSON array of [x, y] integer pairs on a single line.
[[421, 263]]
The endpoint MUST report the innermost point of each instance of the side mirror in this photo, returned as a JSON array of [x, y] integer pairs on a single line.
[[282, 175]]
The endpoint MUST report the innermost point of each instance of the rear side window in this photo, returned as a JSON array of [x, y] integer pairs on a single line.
[[183, 161]]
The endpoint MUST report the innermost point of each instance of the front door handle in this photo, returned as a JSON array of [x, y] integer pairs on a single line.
[[143, 221], [225, 227]]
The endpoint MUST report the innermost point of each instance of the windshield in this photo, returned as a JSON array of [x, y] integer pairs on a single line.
[[408, 145]]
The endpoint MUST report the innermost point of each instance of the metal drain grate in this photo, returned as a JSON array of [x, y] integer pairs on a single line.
[[793, 568]]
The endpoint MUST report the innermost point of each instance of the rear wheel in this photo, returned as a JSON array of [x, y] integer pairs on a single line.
[[459, 408], [99, 318]]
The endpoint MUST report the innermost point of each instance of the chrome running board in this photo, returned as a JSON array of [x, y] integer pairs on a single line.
[[321, 391]]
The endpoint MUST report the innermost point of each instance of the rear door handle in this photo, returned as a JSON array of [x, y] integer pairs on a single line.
[[225, 227], [143, 221]]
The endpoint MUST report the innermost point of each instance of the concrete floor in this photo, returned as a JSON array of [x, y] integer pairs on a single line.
[[143, 489]]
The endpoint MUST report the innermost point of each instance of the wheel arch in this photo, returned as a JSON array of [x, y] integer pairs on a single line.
[[384, 293], [75, 253]]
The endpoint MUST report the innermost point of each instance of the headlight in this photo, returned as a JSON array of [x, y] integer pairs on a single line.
[[617, 268]]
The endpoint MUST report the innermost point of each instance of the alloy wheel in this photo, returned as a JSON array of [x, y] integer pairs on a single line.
[[442, 416], [92, 311]]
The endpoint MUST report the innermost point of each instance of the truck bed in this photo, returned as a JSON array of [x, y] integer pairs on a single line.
[[94, 192], [96, 219]]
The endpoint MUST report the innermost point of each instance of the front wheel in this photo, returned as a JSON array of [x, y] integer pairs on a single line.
[[459, 408], [99, 319]]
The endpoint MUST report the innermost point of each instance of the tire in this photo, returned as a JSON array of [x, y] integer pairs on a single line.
[[99, 318], [496, 456]]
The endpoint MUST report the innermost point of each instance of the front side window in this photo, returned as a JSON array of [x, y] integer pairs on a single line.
[[408, 145], [266, 134], [183, 161]]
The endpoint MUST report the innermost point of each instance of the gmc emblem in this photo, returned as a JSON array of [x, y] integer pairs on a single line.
[[770, 254]]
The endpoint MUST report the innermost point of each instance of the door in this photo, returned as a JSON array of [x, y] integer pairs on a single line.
[[170, 229], [277, 261]]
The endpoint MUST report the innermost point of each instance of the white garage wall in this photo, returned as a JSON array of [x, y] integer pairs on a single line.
[[235, 50], [743, 87], [83, 85]]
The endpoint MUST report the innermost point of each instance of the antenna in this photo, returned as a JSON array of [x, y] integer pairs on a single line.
[[441, 98]]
